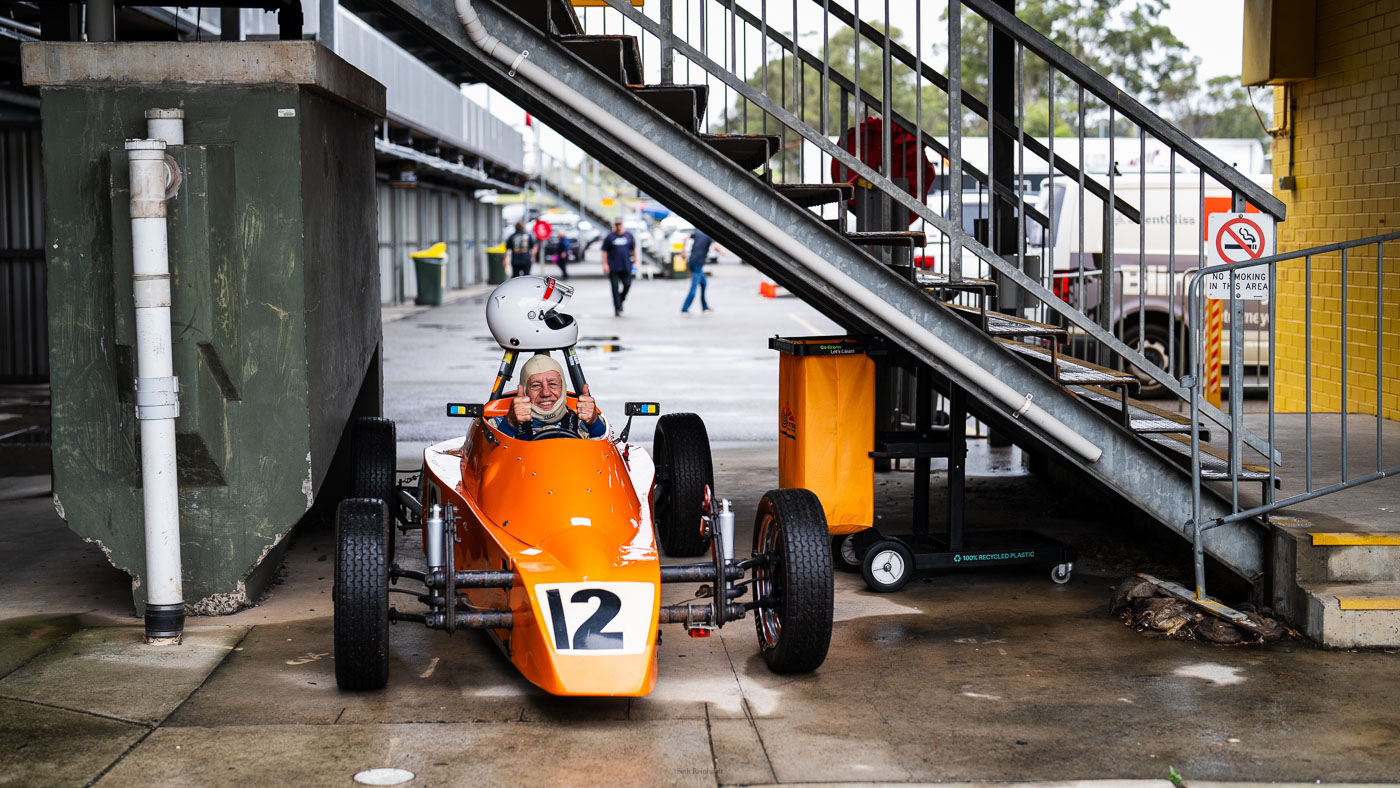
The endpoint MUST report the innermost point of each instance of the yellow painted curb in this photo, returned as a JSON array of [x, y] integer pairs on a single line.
[[1355, 539], [1369, 603]]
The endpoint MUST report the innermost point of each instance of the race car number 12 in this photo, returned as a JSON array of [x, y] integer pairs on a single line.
[[590, 634], [597, 617]]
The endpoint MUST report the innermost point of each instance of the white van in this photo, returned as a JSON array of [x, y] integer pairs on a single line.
[[1152, 261]]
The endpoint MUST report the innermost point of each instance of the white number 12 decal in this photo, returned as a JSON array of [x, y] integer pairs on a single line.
[[597, 617]]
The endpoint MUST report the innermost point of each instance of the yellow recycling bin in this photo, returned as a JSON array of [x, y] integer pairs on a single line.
[[826, 426]]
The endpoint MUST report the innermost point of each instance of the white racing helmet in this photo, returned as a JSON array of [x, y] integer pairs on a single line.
[[522, 314]]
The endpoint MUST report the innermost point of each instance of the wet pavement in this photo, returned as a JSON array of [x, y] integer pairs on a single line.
[[999, 676]]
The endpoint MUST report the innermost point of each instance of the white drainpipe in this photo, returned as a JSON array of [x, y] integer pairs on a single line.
[[157, 400], [1019, 403]]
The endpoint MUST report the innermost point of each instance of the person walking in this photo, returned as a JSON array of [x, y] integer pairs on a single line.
[[619, 256], [699, 255], [523, 247]]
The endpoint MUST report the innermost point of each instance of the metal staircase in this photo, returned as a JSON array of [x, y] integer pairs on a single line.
[[1142, 445]]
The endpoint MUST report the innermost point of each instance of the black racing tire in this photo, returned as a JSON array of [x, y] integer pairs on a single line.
[[361, 594], [887, 566], [847, 550], [375, 455], [375, 460], [794, 587], [681, 449], [1155, 343]]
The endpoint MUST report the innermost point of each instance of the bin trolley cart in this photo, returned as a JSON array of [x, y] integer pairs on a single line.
[[827, 404]]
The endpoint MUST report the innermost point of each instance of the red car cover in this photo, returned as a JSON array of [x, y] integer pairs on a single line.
[[907, 157]]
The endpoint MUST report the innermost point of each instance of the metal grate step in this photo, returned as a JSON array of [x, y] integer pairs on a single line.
[[684, 104], [616, 56], [808, 195], [1141, 416], [1215, 464], [905, 238], [1069, 371], [749, 151], [1002, 325], [932, 280]]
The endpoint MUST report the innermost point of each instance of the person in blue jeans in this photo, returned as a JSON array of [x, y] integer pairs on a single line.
[[699, 255], [619, 258]]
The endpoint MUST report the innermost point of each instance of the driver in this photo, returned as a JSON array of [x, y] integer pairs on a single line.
[[540, 405]]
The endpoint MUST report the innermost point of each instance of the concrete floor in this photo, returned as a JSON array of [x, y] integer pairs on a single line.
[[982, 676]]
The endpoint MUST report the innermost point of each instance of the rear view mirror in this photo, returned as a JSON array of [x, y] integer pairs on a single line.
[[643, 409], [465, 409]]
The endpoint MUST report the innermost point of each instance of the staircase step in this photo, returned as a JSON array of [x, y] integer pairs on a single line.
[[1319, 556], [552, 17], [1353, 615], [749, 151], [1355, 539], [905, 238], [1215, 464], [1142, 417], [809, 195], [615, 56], [684, 104], [932, 280], [1003, 325], [1068, 371]]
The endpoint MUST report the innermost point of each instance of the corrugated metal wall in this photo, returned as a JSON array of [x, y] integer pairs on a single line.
[[24, 334], [413, 219]]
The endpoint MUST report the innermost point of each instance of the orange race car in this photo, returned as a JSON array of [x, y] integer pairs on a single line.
[[550, 544]]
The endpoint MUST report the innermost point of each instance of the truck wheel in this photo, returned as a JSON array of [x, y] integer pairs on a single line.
[[887, 566], [794, 586], [681, 450], [1155, 344], [361, 594]]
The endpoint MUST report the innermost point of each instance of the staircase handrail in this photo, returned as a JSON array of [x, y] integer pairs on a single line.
[[1130, 107], [940, 81], [955, 233]]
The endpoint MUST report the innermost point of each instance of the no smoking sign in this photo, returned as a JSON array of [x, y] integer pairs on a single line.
[[1239, 238]]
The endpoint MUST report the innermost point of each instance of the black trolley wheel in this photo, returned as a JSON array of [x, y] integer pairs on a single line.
[[681, 449], [887, 566], [361, 594], [794, 586], [847, 550]]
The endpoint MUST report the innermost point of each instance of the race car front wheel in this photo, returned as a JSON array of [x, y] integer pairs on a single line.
[[681, 450], [793, 586], [361, 594]]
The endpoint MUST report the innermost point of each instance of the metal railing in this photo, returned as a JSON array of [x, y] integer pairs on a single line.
[[1350, 335], [1077, 204]]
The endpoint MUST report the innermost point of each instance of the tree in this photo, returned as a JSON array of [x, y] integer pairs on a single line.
[[1224, 109]]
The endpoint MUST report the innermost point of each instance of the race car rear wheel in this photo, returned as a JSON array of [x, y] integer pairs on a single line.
[[375, 459], [681, 450], [361, 594], [794, 586]]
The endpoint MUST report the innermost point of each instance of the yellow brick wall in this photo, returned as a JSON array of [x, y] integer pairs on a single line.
[[1346, 156]]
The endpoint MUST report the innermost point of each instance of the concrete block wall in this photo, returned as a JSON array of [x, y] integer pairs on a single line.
[[1345, 124]]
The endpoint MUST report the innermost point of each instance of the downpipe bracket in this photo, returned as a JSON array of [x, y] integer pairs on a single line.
[[158, 398]]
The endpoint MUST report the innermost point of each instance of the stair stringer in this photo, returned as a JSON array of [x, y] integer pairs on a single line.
[[1136, 471]]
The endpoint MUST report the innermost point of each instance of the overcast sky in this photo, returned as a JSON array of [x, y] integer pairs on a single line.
[[1210, 29]]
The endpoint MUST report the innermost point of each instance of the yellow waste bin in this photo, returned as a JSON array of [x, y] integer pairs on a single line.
[[431, 267], [826, 426]]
